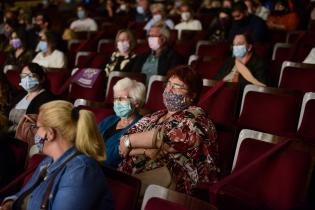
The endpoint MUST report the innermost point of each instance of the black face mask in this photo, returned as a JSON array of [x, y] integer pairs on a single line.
[[279, 13]]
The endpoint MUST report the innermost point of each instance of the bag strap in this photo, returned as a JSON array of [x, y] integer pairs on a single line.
[[44, 203], [210, 92], [276, 149]]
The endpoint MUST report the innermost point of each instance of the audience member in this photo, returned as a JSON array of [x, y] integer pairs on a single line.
[[41, 25], [70, 177], [220, 26], [129, 97], [310, 57], [181, 138], [158, 15], [255, 7], [161, 57], [187, 20], [282, 18], [210, 7], [33, 80], [84, 23], [125, 43], [244, 66], [142, 12], [49, 56], [243, 22]]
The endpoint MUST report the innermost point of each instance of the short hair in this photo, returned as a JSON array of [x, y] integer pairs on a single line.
[[239, 6], [38, 70], [136, 90], [46, 18], [247, 36], [164, 30], [132, 39], [76, 126], [190, 77], [52, 39]]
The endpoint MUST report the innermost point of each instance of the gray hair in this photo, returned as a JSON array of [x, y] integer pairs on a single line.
[[164, 30], [136, 90]]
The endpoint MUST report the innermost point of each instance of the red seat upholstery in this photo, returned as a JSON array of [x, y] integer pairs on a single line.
[[125, 189], [307, 118], [205, 49], [106, 46], [100, 113], [56, 79], [141, 47], [208, 68], [13, 76], [270, 110], [154, 101], [159, 203]]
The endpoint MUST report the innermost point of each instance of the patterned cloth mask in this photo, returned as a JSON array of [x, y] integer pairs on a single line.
[[123, 109], [39, 142], [174, 102]]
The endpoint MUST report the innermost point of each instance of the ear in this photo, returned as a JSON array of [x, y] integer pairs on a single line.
[[51, 134]]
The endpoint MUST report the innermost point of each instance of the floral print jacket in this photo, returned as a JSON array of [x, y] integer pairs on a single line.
[[192, 135]]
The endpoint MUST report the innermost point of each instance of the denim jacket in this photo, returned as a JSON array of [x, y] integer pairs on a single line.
[[80, 185]]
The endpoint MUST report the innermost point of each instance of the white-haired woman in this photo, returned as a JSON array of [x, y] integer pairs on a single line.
[[158, 14], [129, 97]]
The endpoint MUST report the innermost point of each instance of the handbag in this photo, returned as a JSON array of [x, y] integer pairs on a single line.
[[26, 129]]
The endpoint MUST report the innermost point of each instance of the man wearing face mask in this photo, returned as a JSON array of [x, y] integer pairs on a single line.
[[33, 80], [84, 23], [161, 57], [187, 21], [158, 15], [243, 22], [142, 12], [244, 67], [42, 23], [129, 97]]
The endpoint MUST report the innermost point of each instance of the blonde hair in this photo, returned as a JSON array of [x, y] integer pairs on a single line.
[[81, 132]]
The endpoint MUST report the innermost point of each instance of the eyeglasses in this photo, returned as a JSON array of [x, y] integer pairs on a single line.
[[23, 75], [122, 98], [175, 86]]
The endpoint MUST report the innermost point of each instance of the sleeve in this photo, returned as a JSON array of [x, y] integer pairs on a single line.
[[60, 60], [93, 26], [112, 152]]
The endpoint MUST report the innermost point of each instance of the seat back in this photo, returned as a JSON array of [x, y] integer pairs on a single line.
[[307, 117], [205, 48], [106, 46], [270, 110], [125, 189], [154, 100], [56, 79], [13, 76], [207, 67], [297, 76]]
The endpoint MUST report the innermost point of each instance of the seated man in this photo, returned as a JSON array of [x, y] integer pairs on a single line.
[[161, 57]]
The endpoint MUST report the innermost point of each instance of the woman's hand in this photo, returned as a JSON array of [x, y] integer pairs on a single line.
[[7, 205]]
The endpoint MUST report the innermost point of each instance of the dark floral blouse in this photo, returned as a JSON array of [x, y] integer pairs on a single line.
[[192, 135]]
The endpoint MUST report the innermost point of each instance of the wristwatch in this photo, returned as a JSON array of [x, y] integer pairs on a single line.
[[127, 142]]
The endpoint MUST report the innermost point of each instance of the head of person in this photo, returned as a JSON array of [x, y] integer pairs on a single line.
[[185, 12], [227, 4], [18, 39], [42, 22], [129, 97], [81, 11], [216, 4], [251, 6], [158, 12], [60, 125], [158, 36], [125, 41], [183, 86], [48, 41], [142, 6], [242, 45], [33, 77], [239, 11], [9, 26], [281, 7]]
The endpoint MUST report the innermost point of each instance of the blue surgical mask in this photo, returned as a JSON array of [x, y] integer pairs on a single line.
[[81, 14], [123, 109], [239, 51], [29, 83], [43, 46], [140, 10], [39, 142]]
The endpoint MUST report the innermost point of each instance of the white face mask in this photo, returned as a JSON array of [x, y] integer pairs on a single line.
[[123, 46], [154, 43], [185, 16], [157, 17], [140, 10]]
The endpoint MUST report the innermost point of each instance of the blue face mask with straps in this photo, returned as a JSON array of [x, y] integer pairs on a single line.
[[239, 51], [81, 14], [43, 46], [29, 83], [123, 109]]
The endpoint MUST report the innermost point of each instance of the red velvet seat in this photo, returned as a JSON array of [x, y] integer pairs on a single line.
[[307, 118], [13, 76], [159, 203], [154, 100], [125, 189], [206, 49], [142, 46], [106, 46], [208, 67], [56, 79]]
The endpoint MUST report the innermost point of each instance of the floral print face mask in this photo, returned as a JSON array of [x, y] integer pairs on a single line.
[[174, 102]]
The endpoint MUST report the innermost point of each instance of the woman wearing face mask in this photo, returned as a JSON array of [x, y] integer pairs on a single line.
[[129, 97], [70, 177], [244, 67], [188, 23], [182, 137], [49, 56], [158, 15], [32, 81], [121, 59], [84, 23], [19, 54]]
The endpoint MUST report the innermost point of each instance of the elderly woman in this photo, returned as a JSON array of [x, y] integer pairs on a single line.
[[70, 177], [181, 138], [158, 14], [125, 43], [49, 56], [129, 96], [245, 66], [33, 80]]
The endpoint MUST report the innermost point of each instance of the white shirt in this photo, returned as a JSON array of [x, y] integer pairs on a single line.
[[310, 57], [56, 59], [193, 25], [86, 24]]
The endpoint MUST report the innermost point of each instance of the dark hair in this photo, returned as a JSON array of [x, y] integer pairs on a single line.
[[282, 2], [46, 18], [190, 77], [22, 35], [247, 36], [38, 70], [52, 39], [239, 6]]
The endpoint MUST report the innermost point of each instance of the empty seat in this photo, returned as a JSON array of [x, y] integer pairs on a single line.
[[154, 99]]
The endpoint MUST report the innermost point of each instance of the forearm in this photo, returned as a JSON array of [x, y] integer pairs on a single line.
[[245, 72], [145, 139]]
